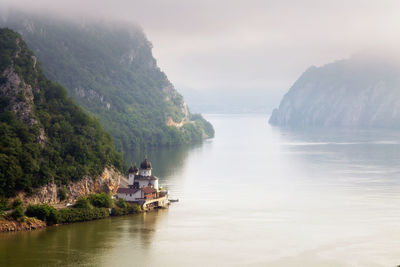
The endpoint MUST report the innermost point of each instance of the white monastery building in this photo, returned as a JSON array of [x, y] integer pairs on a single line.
[[143, 188]]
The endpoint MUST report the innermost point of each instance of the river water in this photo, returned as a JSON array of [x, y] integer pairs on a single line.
[[255, 195]]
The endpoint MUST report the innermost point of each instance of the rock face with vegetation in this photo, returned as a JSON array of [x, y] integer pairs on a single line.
[[361, 92], [44, 137], [28, 224], [109, 69], [51, 193]]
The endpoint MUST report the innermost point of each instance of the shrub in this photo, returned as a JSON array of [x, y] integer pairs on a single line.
[[121, 203], [62, 194], [134, 208], [4, 204], [128, 209], [18, 213], [78, 214], [83, 203], [102, 200], [116, 211], [53, 217], [17, 202], [43, 212]]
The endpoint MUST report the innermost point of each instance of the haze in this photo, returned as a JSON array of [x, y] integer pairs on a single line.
[[253, 50]]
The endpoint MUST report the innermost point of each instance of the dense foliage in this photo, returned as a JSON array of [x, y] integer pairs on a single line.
[[122, 207], [18, 210], [102, 200], [75, 143], [69, 215], [43, 212], [110, 71], [87, 208]]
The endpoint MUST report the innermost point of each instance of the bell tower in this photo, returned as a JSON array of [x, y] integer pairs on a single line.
[[132, 172]]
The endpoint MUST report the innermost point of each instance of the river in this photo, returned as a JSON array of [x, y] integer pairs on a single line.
[[254, 195]]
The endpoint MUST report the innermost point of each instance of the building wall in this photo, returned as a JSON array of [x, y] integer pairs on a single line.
[[130, 197], [131, 178], [155, 184], [145, 183], [145, 172]]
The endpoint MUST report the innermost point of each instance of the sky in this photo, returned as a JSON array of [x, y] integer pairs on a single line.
[[246, 47]]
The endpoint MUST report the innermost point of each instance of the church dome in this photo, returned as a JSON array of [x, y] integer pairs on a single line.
[[133, 169], [145, 165]]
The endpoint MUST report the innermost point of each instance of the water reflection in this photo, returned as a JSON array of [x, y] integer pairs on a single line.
[[80, 243], [166, 161], [254, 195], [353, 154]]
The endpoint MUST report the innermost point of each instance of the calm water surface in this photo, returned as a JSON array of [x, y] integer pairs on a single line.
[[255, 195]]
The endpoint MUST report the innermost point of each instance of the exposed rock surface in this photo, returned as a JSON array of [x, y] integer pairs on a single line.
[[361, 92], [28, 224], [20, 95], [108, 182]]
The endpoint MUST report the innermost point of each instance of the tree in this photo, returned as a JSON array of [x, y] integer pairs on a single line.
[[18, 213]]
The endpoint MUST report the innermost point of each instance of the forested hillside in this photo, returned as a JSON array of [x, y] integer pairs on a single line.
[[44, 136], [360, 92], [110, 71]]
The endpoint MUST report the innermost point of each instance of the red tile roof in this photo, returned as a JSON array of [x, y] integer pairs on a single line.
[[148, 190], [127, 190]]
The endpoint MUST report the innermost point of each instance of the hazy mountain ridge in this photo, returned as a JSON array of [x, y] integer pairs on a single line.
[[44, 137], [361, 92], [109, 69]]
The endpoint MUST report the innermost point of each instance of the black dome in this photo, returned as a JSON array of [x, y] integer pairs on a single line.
[[145, 165], [133, 169]]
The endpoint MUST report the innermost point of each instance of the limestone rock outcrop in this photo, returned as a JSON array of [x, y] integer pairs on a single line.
[[108, 182]]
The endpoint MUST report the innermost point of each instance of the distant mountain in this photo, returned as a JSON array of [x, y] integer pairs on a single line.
[[109, 69], [44, 137], [361, 92]]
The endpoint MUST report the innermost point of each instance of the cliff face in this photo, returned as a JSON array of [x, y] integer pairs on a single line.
[[45, 139], [109, 69], [361, 92], [108, 182]]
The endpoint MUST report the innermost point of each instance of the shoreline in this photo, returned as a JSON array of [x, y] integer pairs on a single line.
[[17, 217], [32, 223]]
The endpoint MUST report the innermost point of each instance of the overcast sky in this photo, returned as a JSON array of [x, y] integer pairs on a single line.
[[246, 45]]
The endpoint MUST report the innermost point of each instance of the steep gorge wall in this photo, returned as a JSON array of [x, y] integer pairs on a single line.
[[108, 182], [353, 93]]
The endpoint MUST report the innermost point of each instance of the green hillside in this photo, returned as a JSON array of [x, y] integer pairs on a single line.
[[110, 71], [44, 136]]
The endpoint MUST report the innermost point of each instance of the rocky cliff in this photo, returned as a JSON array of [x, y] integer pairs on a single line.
[[109, 69], [108, 182], [45, 139], [361, 92]]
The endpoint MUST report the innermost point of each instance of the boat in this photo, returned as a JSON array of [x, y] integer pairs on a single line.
[[174, 200]]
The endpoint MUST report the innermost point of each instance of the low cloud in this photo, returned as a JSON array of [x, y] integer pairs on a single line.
[[233, 45]]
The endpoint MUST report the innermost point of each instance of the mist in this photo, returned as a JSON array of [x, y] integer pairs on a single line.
[[243, 48]]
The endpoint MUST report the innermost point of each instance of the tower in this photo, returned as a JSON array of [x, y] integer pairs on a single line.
[[131, 175], [145, 168]]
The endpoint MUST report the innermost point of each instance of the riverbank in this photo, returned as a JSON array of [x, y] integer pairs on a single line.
[[28, 224], [89, 208]]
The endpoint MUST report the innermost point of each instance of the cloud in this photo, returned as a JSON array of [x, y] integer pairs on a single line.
[[234, 45]]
